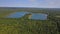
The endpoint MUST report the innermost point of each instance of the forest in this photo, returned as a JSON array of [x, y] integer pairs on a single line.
[[24, 25]]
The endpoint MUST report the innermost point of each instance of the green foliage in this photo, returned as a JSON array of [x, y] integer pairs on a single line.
[[26, 26]]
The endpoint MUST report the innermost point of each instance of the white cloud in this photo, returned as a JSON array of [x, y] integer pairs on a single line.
[[36, 3], [32, 0], [49, 4]]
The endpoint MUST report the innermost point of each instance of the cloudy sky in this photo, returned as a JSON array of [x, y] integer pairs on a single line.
[[30, 3]]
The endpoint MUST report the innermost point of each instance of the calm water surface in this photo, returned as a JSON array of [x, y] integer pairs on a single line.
[[17, 15], [37, 16]]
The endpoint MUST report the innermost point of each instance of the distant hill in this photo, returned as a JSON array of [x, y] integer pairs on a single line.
[[31, 9]]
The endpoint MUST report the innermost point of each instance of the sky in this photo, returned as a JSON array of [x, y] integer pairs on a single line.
[[30, 3]]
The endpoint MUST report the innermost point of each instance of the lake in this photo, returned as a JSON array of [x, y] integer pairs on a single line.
[[39, 16], [35, 16], [16, 15]]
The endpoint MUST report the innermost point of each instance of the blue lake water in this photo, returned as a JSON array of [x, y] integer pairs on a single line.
[[17, 15], [37, 16]]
